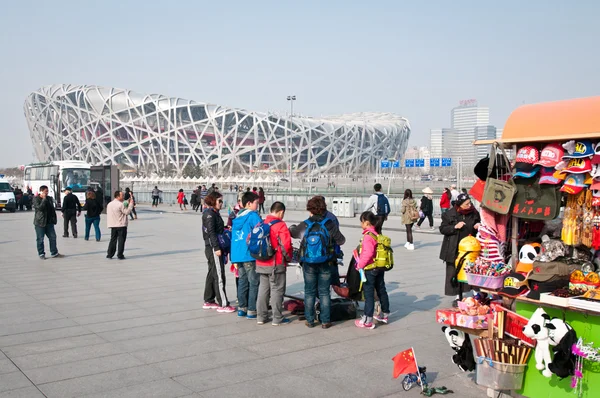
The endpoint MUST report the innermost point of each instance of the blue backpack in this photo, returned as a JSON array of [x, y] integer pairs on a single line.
[[259, 241], [383, 205], [316, 247]]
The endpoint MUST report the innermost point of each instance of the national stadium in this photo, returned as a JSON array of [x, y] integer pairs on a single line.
[[153, 132]]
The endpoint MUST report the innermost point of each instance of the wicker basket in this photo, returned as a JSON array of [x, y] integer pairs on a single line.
[[490, 282]]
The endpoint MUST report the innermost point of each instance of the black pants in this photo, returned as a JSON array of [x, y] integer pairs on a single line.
[[429, 217], [261, 208], [409, 234], [382, 219], [70, 216], [155, 200], [133, 213], [117, 235], [214, 287]]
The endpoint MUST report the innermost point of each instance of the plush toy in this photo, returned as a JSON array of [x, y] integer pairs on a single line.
[[562, 337], [536, 329], [527, 255], [461, 343]]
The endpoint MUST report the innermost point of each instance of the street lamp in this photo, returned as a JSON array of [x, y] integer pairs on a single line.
[[290, 98], [60, 128]]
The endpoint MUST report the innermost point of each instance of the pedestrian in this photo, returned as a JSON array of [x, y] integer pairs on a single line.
[[234, 212], [426, 207], [71, 209], [131, 199], [339, 255], [181, 199], [44, 220], [242, 225], [203, 194], [194, 200], [92, 216], [261, 200], [378, 204], [155, 196], [454, 193], [272, 272], [375, 277], [212, 227], [459, 222], [116, 219], [211, 189], [410, 215], [445, 200], [316, 259]]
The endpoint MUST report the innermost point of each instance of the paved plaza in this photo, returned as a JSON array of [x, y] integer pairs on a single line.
[[86, 326]]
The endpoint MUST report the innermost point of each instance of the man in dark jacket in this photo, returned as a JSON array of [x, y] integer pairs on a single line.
[[71, 209], [44, 220]]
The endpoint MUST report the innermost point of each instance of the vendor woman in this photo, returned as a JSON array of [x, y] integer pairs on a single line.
[[458, 222]]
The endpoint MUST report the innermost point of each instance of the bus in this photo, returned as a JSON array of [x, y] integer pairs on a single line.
[[57, 175]]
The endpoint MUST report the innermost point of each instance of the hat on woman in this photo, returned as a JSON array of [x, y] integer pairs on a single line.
[[460, 199], [427, 191]]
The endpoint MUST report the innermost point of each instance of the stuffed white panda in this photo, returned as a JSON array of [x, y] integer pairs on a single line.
[[536, 329], [461, 343]]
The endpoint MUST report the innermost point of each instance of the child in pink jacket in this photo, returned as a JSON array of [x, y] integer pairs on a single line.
[[371, 226]]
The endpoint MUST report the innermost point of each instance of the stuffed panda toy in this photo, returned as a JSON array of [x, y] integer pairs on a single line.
[[461, 343]]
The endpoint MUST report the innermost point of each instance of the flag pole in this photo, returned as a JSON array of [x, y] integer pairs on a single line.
[[417, 364]]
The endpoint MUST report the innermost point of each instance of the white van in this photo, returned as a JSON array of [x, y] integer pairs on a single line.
[[7, 196]]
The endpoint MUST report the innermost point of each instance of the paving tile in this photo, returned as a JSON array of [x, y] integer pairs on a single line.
[[111, 314], [6, 366], [34, 361], [175, 351], [6, 330], [43, 335], [53, 345], [13, 381], [137, 318], [27, 392], [158, 341], [205, 361], [142, 331], [160, 389]]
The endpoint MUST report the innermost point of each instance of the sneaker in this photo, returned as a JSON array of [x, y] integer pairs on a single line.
[[381, 318], [260, 322], [284, 321], [326, 325], [121, 258], [411, 246], [359, 323], [309, 324], [43, 257], [406, 245], [226, 310], [210, 306], [241, 313], [432, 228], [57, 255], [250, 316]]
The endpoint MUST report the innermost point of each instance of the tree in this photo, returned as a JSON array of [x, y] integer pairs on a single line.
[[191, 170]]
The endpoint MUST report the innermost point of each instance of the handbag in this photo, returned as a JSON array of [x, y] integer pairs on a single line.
[[500, 167], [498, 195], [534, 201]]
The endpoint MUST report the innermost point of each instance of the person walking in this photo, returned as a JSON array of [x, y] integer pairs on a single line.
[[212, 227], [316, 259], [182, 200], [378, 204], [194, 200], [453, 193], [445, 200], [261, 200], [44, 220], [459, 222], [426, 207], [71, 209], [410, 215], [131, 199], [375, 277], [155, 196], [272, 272], [248, 282], [92, 216], [116, 219], [203, 194]]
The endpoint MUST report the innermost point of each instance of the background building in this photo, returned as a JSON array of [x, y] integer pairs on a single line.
[[154, 133]]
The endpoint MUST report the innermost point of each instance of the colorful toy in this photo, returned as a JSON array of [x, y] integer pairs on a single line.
[[535, 329], [461, 344]]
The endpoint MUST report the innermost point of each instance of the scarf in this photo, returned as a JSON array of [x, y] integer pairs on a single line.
[[464, 212]]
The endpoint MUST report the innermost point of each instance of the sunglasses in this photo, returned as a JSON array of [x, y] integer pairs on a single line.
[[220, 201]]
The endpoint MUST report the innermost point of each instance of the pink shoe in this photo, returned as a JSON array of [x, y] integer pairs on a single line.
[[227, 309], [381, 318], [360, 324], [210, 306]]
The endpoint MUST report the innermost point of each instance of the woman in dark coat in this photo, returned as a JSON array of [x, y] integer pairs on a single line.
[[459, 222]]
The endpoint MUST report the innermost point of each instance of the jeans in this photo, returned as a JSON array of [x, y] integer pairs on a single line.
[[155, 200], [88, 225], [317, 277], [248, 287], [375, 282], [117, 235], [48, 231]]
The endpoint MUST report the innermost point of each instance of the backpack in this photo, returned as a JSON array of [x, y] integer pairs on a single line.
[[259, 241], [383, 205], [316, 247], [413, 213], [384, 254]]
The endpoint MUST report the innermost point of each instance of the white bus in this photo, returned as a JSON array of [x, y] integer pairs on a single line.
[[58, 175]]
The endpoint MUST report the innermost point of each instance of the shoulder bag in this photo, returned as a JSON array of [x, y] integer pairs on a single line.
[[498, 195]]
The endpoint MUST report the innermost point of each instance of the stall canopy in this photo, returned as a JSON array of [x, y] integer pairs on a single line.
[[552, 121]]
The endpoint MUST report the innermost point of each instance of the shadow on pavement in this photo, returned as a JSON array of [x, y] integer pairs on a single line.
[[162, 253]]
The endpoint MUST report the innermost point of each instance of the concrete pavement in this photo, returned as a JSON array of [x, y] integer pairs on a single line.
[[87, 326]]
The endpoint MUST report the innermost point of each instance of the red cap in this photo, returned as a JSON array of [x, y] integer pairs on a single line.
[[551, 155]]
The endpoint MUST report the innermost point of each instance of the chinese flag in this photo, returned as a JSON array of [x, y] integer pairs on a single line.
[[404, 362]]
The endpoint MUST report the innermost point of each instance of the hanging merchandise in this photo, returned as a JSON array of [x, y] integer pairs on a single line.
[[578, 149], [588, 218], [582, 352], [571, 233], [498, 194], [536, 330], [534, 201]]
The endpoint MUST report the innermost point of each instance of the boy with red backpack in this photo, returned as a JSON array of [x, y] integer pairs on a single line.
[[272, 270]]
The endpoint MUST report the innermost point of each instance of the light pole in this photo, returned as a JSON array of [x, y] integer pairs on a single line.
[[290, 98], [60, 129]]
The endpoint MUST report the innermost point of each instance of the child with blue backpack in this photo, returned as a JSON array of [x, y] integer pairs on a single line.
[[272, 246], [317, 256], [248, 281]]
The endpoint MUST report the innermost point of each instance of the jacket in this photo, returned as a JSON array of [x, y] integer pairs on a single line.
[[71, 203], [116, 214], [426, 205], [232, 215], [368, 248], [155, 192], [453, 236], [372, 203], [93, 208], [45, 213], [337, 238], [180, 197], [212, 227], [240, 229], [406, 203], [261, 197], [444, 201], [281, 240]]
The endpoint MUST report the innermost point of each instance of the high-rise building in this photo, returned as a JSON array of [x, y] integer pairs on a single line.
[[484, 133]]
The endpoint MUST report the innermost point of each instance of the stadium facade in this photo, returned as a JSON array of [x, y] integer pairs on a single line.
[[153, 132]]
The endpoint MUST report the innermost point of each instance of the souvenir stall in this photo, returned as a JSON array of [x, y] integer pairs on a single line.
[[535, 259]]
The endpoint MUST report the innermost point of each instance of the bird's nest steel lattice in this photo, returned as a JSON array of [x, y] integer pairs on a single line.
[[153, 132]]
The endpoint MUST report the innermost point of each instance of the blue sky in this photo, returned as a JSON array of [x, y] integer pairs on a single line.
[[416, 59]]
